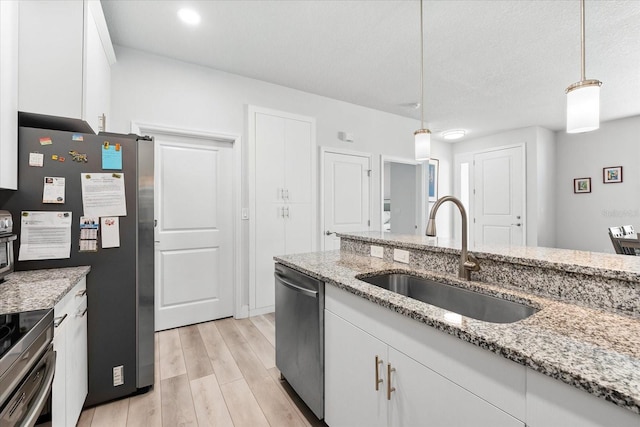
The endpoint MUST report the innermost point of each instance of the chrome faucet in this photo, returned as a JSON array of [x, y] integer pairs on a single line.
[[468, 262]]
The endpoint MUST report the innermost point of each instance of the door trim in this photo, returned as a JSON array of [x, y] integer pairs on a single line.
[[323, 151], [251, 180], [422, 211], [141, 128], [460, 157]]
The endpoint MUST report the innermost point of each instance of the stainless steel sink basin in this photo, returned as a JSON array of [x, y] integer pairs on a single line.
[[462, 301]]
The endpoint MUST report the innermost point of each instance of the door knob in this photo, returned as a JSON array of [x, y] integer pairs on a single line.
[[517, 225], [328, 233]]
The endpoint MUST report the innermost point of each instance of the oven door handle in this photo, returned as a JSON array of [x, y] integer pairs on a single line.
[[308, 292], [31, 418]]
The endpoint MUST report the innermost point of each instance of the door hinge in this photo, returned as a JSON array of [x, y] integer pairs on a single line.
[[474, 220], [369, 173], [369, 223], [474, 191]]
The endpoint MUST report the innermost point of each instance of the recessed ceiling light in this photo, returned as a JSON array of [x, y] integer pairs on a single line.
[[454, 134], [189, 16]]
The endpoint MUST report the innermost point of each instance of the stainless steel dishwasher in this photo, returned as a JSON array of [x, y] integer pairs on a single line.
[[300, 334]]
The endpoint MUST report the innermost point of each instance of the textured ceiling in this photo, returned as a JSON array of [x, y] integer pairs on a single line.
[[489, 65]]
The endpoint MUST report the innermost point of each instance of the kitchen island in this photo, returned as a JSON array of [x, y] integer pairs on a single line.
[[586, 333]]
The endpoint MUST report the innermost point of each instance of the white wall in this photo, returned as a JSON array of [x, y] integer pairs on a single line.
[[546, 181], [159, 90], [583, 219]]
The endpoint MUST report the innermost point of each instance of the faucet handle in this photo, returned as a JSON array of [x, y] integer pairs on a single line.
[[472, 263]]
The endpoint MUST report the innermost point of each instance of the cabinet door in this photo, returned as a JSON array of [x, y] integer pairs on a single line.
[[270, 241], [77, 381], [9, 98], [297, 161], [350, 394], [270, 160], [421, 394], [50, 60], [97, 72], [298, 228], [59, 388]]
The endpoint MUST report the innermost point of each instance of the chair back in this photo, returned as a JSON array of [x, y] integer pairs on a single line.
[[615, 233]]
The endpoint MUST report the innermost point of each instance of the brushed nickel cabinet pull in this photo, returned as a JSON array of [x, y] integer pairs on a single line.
[[389, 388], [378, 380]]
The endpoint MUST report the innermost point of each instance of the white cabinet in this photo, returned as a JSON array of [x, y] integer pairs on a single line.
[[369, 383], [282, 193], [70, 385], [551, 402], [354, 360], [9, 94], [64, 62]]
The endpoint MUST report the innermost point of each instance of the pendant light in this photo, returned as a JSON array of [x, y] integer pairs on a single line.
[[583, 97], [422, 135]]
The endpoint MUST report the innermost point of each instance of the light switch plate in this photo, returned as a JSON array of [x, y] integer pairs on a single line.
[[401, 256], [377, 251]]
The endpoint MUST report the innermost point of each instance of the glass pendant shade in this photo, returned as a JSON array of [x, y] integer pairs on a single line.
[[423, 144], [583, 107]]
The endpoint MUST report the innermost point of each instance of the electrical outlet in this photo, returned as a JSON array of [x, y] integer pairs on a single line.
[[377, 251], [118, 375], [401, 256]]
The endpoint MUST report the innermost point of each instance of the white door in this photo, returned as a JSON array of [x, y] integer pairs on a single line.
[[346, 195], [194, 235], [499, 197]]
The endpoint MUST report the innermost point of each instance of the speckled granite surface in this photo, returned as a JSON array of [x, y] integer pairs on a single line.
[[38, 289], [600, 264], [602, 281], [593, 350]]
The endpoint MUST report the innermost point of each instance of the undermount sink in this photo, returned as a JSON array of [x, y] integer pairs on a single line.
[[462, 301]]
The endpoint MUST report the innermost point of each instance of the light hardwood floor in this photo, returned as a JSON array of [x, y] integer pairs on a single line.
[[219, 373]]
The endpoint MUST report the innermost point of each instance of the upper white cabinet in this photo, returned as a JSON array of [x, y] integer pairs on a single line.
[[282, 195], [9, 94], [64, 61]]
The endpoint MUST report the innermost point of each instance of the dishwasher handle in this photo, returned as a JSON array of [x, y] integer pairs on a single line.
[[294, 287]]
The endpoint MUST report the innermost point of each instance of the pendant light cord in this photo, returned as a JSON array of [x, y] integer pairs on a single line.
[[582, 73], [422, 69]]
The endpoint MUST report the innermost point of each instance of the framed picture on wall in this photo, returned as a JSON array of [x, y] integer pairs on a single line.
[[432, 179], [582, 185], [612, 174]]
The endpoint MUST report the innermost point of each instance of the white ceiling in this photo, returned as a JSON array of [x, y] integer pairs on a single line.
[[489, 65]]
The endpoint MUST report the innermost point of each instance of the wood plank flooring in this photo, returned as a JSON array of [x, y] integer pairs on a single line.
[[220, 373]]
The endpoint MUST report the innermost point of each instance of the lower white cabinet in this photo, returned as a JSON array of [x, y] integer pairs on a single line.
[[351, 395], [369, 383], [70, 384], [553, 403]]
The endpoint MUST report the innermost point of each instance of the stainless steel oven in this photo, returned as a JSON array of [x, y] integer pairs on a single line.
[[27, 366], [6, 244]]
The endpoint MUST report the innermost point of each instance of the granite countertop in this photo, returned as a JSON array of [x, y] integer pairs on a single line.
[[592, 263], [594, 350], [38, 289]]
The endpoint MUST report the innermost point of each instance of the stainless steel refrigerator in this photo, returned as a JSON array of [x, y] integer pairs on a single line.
[[120, 286]]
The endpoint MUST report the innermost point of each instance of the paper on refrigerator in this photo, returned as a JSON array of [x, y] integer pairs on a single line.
[[110, 232], [103, 194], [45, 235]]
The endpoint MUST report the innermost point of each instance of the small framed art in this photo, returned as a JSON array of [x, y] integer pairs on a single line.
[[612, 174], [582, 185]]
